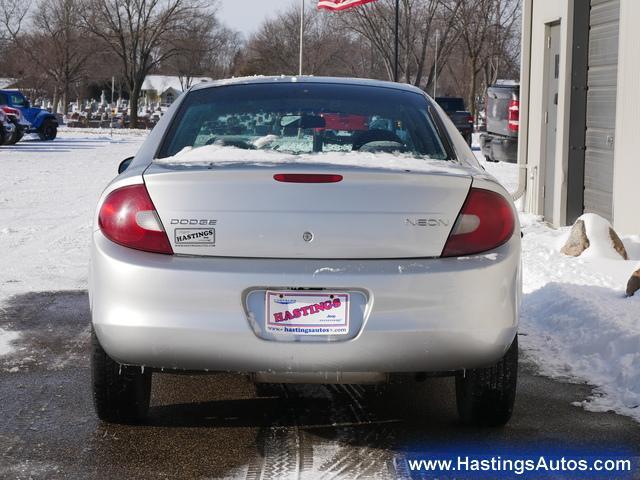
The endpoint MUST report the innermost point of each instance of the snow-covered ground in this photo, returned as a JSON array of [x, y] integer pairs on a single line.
[[576, 323], [48, 193]]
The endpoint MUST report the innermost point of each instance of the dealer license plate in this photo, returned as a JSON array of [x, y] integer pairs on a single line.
[[307, 313]]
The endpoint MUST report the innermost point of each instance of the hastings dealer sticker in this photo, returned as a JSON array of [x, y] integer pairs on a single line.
[[195, 237], [305, 313]]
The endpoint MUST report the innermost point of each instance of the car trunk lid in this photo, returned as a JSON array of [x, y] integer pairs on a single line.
[[243, 211]]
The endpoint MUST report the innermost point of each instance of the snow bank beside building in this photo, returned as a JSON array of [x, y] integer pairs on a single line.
[[577, 323]]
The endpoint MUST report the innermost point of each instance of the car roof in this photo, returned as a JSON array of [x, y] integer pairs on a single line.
[[259, 79], [505, 85]]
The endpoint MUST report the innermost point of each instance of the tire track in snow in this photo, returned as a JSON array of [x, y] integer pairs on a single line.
[[296, 446], [364, 461], [282, 453]]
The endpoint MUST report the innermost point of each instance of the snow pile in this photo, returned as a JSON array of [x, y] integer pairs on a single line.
[[214, 155], [600, 243], [5, 341], [576, 322], [590, 333]]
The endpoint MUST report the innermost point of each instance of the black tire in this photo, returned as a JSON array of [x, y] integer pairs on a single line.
[[121, 394], [48, 131], [19, 136], [486, 396]]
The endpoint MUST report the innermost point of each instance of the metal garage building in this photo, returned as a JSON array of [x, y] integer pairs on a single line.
[[580, 89]]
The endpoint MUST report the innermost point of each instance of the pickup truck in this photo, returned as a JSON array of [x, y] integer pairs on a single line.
[[42, 122], [500, 143], [457, 112]]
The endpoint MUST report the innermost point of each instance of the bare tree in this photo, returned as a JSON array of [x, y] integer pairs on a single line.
[[12, 17], [503, 52], [488, 41], [474, 20], [419, 20], [208, 48], [273, 49], [65, 52], [139, 32], [52, 44], [479, 43]]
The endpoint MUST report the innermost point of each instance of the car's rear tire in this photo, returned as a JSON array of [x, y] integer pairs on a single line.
[[48, 131], [486, 396], [121, 394]]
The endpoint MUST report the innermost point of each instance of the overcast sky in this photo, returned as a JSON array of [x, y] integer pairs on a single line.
[[246, 15]]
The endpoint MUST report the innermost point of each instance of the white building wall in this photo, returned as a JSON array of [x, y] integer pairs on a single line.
[[626, 172], [538, 14]]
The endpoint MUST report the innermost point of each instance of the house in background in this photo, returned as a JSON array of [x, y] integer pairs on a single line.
[[164, 89], [580, 110], [7, 83]]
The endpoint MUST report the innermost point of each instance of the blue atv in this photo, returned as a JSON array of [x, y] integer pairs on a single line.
[[43, 123]]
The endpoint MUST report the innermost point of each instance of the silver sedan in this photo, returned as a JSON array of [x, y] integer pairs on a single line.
[[305, 230]]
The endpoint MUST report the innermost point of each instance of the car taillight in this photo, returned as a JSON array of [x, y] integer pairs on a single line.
[[514, 115], [128, 217], [470, 119], [485, 222], [10, 111]]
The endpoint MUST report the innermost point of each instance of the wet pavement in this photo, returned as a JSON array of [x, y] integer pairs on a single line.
[[215, 426]]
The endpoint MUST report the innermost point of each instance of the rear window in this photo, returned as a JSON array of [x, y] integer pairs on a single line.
[[303, 118], [451, 104]]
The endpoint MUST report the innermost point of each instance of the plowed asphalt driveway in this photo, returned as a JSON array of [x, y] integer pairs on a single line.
[[215, 427]]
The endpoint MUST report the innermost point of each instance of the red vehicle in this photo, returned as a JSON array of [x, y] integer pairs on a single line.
[[335, 121]]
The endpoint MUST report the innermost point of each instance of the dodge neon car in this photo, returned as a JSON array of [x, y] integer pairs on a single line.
[[305, 230]]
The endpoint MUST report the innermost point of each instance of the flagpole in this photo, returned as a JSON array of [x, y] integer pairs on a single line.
[[301, 33], [397, 46]]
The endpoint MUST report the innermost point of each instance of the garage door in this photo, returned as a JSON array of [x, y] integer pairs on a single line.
[[601, 106]]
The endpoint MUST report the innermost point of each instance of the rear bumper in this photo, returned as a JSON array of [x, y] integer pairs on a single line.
[[499, 148], [192, 313]]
